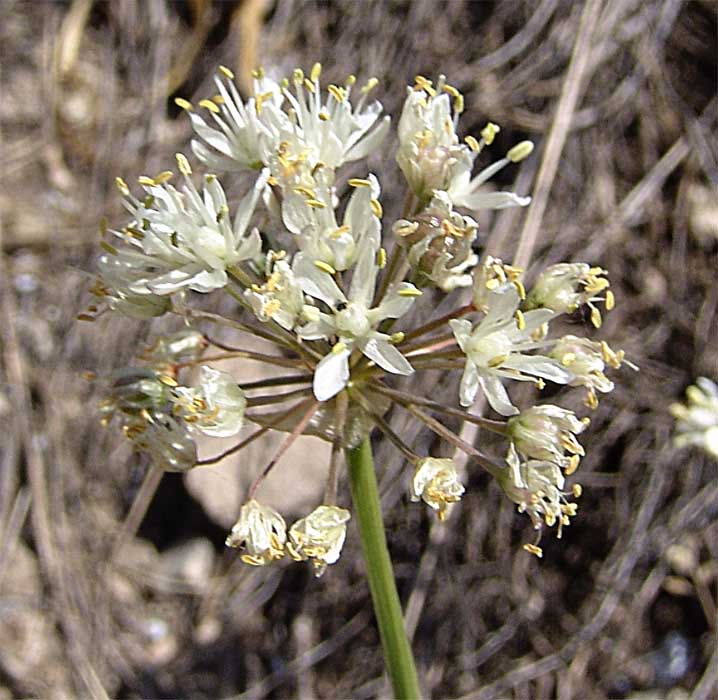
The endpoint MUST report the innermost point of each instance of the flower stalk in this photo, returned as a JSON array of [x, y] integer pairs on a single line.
[[387, 608]]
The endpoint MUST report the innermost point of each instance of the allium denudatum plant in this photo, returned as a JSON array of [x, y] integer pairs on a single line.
[[325, 283]]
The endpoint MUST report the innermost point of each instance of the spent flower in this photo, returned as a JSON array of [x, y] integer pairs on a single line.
[[697, 419], [436, 482], [319, 537]]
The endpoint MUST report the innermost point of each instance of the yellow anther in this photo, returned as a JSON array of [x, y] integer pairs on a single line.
[[568, 359], [451, 90], [226, 72], [324, 267], [108, 248], [459, 104], [610, 300], [396, 338], [306, 191], [339, 348], [339, 232], [358, 182], [498, 360], [146, 181], [472, 143], [336, 92], [183, 164], [488, 133], [272, 181], [183, 104], [298, 76], [85, 317], [577, 490], [596, 317], [122, 186], [407, 229], [520, 151], [103, 226], [163, 177], [540, 384], [520, 320], [316, 72], [410, 292], [376, 208], [550, 519], [309, 85], [218, 99], [370, 85], [166, 379], [591, 399], [520, 288], [210, 178], [381, 258], [271, 307], [534, 549], [316, 203], [258, 73], [208, 104], [324, 115], [573, 463]]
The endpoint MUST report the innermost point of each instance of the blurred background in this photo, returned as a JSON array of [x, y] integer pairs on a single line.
[[624, 606]]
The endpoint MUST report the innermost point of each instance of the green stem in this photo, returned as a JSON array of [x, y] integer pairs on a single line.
[[397, 650]]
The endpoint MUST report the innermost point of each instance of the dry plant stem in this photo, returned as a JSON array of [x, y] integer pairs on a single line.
[[570, 92], [387, 608], [495, 426], [138, 509], [438, 322], [244, 355]]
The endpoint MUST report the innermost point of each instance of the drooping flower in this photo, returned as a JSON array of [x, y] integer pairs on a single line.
[[261, 531], [214, 408], [437, 483], [319, 537], [536, 486], [546, 433], [352, 320], [496, 349], [697, 421]]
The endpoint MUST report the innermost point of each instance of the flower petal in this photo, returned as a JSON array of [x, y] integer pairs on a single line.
[[331, 375]]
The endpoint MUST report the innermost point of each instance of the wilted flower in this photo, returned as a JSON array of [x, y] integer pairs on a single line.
[[320, 537], [261, 531], [183, 346], [566, 286], [436, 482], [164, 439], [697, 422], [440, 243], [496, 349], [545, 433], [214, 408]]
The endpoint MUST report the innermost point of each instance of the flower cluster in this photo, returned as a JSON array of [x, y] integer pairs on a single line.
[[316, 274], [697, 421]]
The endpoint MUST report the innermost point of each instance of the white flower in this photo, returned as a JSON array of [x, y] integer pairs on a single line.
[[216, 407], [320, 537], [545, 433], [334, 131], [495, 350], [492, 276], [436, 482], [465, 190], [310, 214], [566, 286], [351, 320], [429, 154], [248, 133], [185, 240], [697, 422], [536, 487], [261, 531], [586, 359], [280, 298], [440, 243]]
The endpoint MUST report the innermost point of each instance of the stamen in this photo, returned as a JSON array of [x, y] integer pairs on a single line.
[[520, 151], [209, 105], [534, 549], [184, 104], [183, 164], [488, 133], [227, 73], [325, 267]]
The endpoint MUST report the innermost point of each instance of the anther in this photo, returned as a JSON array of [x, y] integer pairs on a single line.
[[520, 151], [324, 267], [183, 104], [488, 133], [227, 73]]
